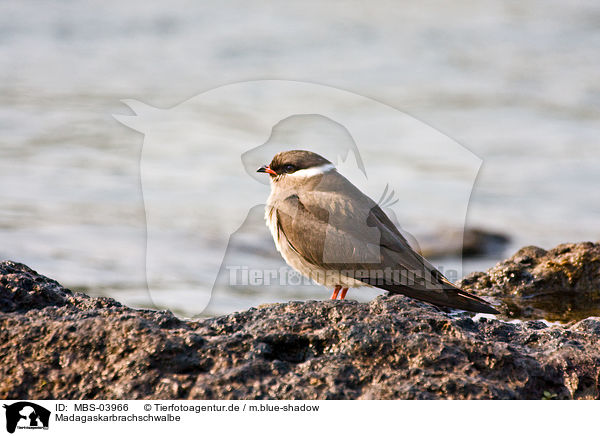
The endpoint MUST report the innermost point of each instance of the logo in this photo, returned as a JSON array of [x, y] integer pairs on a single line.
[[26, 415], [205, 202]]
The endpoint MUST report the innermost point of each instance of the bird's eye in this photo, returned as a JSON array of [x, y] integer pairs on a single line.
[[289, 169]]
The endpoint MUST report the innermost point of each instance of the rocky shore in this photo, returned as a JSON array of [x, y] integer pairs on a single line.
[[562, 284], [56, 344]]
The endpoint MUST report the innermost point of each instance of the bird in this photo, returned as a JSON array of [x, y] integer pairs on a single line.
[[328, 230]]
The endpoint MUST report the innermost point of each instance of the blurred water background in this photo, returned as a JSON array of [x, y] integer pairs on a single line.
[[517, 83]]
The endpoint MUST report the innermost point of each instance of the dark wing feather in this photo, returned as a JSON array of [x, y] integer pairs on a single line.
[[436, 288]]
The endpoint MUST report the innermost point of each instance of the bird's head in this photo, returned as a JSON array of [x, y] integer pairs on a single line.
[[296, 163]]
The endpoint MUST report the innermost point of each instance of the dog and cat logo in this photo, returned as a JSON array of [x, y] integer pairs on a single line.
[[26, 415]]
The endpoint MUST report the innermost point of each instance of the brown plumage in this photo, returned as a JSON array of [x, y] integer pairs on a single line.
[[323, 224]]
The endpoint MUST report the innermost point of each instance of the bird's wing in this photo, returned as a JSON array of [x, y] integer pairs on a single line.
[[309, 232], [353, 234], [358, 228], [335, 231], [302, 230]]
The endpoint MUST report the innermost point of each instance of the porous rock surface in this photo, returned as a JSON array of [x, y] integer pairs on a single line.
[[562, 284], [55, 344]]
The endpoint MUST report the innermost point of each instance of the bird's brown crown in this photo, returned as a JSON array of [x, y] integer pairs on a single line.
[[294, 160]]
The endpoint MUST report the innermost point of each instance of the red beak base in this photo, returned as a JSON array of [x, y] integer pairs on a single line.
[[266, 169]]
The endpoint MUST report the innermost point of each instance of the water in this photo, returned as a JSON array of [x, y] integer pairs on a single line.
[[517, 84]]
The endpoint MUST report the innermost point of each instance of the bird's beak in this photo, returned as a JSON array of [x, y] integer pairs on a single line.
[[266, 169]]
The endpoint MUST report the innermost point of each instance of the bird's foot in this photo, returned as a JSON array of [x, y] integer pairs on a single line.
[[343, 294], [336, 291]]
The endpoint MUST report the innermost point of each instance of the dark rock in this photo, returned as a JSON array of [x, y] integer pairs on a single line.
[[562, 284], [61, 345], [470, 242], [479, 242]]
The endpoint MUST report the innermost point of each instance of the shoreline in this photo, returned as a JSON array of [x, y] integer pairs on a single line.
[[63, 345]]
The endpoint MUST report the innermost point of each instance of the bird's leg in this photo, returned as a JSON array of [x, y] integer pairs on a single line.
[[335, 292], [343, 294]]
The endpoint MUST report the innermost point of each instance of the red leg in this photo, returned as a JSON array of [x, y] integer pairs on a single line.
[[335, 292], [343, 295]]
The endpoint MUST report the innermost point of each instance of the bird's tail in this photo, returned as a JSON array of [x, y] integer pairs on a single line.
[[448, 296]]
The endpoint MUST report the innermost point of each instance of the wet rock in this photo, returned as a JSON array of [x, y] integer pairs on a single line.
[[58, 344], [562, 284]]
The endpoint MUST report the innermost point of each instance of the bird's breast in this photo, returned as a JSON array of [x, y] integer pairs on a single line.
[[271, 219]]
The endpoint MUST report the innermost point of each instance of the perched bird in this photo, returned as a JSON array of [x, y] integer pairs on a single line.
[[328, 230]]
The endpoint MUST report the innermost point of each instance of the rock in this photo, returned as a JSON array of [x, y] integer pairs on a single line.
[[62, 345], [479, 242], [562, 284], [471, 242]]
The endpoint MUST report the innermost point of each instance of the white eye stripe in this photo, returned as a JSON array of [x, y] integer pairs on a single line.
[[310, 172]]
